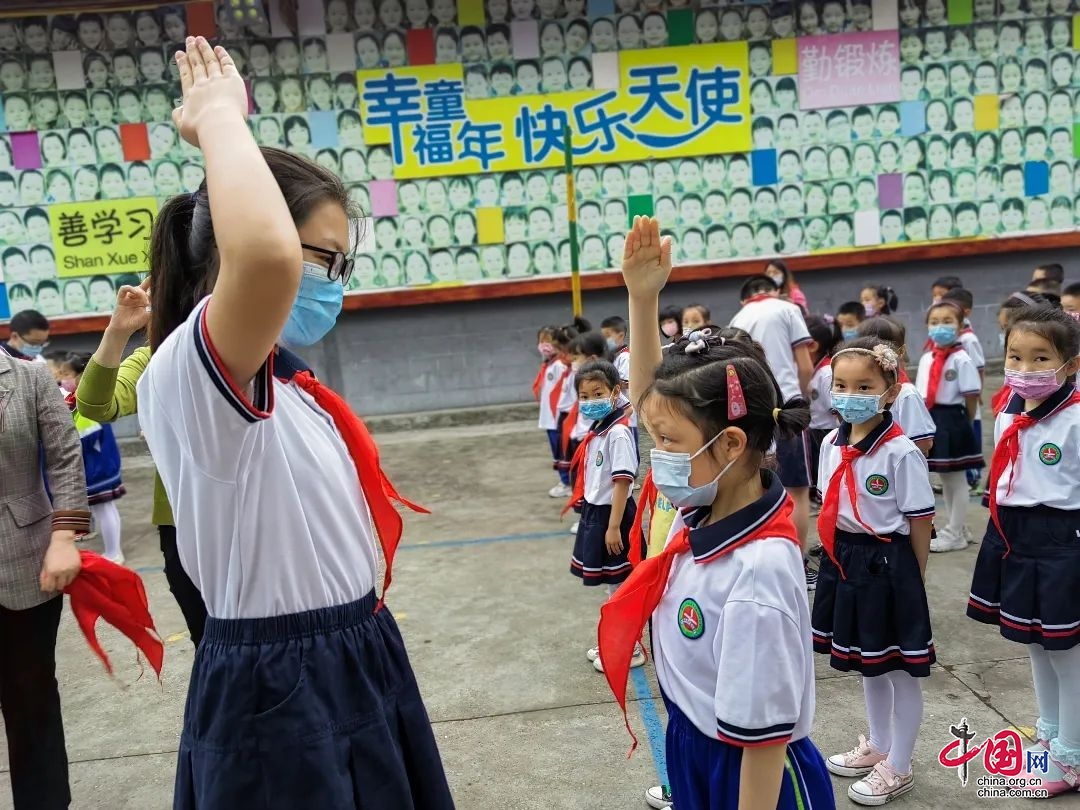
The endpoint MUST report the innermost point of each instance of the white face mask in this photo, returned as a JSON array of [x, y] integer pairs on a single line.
[[671, 474]]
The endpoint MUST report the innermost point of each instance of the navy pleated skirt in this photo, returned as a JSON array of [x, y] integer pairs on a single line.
[[591, 561], [954, 447], [1033, 592], [704, 772], [318, 709], [875, 619]]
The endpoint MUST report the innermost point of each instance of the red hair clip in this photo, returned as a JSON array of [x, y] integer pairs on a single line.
[[736, 400]]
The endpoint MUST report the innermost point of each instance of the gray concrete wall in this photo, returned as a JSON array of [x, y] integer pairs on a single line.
[[483, 353]]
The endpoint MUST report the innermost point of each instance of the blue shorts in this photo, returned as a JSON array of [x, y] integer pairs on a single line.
[[318, 709], [793, 461]]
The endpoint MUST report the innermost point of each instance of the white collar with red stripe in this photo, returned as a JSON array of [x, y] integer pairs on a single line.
[[1048, 407], [622, 350], [608, 422], [710, 542], [824, 361], [871, 441]]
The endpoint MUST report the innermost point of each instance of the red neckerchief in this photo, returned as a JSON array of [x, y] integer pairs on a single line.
[[114, 593], [557, 389], [824, 361], [1001, 399], [901, 376], [646, 503], [568, 425], [625, 614], [842, 477], [622, 350], [377, 489], [538, 383], [937, 367], [1006, 452], [577, 464], [759, 297]]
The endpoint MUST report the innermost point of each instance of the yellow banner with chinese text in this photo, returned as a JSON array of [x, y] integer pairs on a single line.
[[670, 102], [104, 236]]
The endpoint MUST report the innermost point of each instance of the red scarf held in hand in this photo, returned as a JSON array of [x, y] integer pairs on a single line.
[[577, 465], [1006, 453], [114, 593], [378, 491], [646, 503], [842, 477], [937, 369], [624, 616], [557, 389]]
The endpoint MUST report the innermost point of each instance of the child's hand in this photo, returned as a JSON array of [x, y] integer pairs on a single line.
[[210, 84], [647, 258], [613, 540]]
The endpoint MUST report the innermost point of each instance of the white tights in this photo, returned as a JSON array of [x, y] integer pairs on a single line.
[[1057, 689], [954, 491], [894, 707], [107, 518]]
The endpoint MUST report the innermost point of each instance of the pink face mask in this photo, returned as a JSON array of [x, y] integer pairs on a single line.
[[69, 384], [546, 350], [1033, 385], [670, 329]]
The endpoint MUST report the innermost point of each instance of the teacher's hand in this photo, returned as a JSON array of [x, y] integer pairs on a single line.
[[62, 562]]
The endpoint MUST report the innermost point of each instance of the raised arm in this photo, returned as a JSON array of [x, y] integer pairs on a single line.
[[646, 267], [259, 254], [107, 387]]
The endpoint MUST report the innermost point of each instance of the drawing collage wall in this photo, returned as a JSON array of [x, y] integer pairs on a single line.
[[749, 130]]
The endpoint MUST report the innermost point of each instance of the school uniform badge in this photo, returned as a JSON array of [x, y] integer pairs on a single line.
[[691, 622], [877, 484], [1049, 454], [951, 374], [599, 457]]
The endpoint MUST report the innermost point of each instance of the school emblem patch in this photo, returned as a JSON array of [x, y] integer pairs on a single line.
[[599, 457], [691, 622], [950, 375], [814, 395], [877, 484], [551, 376], [1049, 454]]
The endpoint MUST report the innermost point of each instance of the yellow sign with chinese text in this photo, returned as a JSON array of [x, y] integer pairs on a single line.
[[102, 236], [670, 102]]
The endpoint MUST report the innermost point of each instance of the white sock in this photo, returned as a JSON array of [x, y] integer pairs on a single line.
[[1066, 664], [954, 489], [878, 692], [107, 517], [611, 590], [1047, 691], [907, 717]]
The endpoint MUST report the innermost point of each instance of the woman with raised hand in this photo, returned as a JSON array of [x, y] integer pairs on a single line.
[[301, 694]]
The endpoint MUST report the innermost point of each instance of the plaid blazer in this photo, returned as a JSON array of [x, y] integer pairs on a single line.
[[34, 423]]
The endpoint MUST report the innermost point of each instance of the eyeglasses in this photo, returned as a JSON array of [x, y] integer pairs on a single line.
[[341, 266]]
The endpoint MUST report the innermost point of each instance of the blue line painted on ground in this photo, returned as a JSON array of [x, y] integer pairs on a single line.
[[654, 727]]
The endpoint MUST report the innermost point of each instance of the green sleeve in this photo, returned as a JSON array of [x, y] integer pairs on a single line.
[[106, 394]]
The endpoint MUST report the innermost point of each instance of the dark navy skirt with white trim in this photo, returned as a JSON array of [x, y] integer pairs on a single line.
[[876, 618], [591, 560], [1033, 592], [318, 709], [704, 772], [955, 448]]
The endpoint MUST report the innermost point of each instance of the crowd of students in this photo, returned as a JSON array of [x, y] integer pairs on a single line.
[[824, 401]]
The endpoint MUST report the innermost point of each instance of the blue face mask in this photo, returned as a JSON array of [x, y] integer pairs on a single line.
[[856, 408], [943, 335], [32, 349], [850, 334], [671, 474], [612, 344], [596, 409], [317, 306]]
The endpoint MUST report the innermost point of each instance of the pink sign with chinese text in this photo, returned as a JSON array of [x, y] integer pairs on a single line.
[[843, 70]]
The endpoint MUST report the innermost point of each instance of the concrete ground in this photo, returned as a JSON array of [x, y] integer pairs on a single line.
[[497, 629]]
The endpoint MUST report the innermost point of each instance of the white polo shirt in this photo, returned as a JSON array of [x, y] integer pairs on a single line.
[[1048, 464], [555, 369], [910, 413], [822, 416], [973, 346], [610, 457], [567, 394], [959, 379], [892, 481], [270, 516], [780, 328], [731, 635]]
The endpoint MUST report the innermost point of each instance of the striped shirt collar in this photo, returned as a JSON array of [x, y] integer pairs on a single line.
[[1052, 404], [871, 441], [709, 542]]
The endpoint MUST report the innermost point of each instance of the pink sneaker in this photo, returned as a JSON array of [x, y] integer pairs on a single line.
[[881, 786], [1068, 783], [859, 761]]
